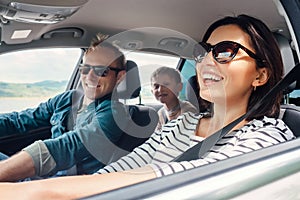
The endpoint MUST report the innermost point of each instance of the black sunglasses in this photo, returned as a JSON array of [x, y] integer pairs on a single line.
[[98, 70], [223, 52]]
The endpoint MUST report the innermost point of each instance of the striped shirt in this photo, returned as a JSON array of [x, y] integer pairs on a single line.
[[179, 135]]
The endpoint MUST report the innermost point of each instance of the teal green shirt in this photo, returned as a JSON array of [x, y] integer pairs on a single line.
[[86, 139]]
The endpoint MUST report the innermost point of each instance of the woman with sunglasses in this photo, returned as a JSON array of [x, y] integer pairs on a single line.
[[241, 63]]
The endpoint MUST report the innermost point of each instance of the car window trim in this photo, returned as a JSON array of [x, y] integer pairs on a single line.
[[168, 184]]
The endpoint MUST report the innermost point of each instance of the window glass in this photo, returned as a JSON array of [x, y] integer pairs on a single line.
[[294, 97], [188, 70], [32, 76], [148, 63]]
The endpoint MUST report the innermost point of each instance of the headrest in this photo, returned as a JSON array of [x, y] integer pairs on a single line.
[[130, 86], [191, 92], [287, 57]]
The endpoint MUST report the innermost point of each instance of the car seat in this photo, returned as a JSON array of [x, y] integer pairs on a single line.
[[287, 57], [144, 119], [289, 113]]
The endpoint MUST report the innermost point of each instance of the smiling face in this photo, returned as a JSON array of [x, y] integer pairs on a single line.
[[94, 86], [234, 80], [165, 89]]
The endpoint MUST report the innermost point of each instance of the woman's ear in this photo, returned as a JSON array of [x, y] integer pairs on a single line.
[[262, 77]]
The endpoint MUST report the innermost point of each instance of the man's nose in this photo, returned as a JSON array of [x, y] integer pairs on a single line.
[[91, 75], [91, 72]]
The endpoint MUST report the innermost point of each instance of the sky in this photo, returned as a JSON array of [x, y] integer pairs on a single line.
[[57, 64], [38, 65]]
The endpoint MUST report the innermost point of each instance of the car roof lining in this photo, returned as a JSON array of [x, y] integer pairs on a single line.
[[118, 16]]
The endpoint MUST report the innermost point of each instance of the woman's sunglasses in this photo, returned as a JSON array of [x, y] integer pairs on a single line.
[[223, 52], [98, 70]]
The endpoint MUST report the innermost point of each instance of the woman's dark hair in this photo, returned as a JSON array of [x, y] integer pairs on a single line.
[[266, 48]]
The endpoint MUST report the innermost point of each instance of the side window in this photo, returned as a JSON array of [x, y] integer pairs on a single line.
[[294, 97], [148, 63], [187, 70], [31, 76]]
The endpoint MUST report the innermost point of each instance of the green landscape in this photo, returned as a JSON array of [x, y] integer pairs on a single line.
[[38, 89]]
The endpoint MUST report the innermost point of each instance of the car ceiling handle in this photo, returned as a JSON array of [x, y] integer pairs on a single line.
[[77, 33]]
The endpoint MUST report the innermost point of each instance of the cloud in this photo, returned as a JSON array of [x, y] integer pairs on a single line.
[[30, 66]]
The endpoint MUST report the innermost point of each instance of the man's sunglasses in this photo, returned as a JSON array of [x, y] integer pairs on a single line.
[[223, 52], [98, 70]]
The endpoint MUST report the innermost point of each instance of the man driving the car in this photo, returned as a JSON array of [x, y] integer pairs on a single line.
[[84, 127]]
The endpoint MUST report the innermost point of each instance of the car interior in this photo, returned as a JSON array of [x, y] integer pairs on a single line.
[[144, 118], [165, 28]]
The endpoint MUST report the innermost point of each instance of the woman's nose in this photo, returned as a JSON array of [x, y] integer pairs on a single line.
[[208, 58], [207, 61]]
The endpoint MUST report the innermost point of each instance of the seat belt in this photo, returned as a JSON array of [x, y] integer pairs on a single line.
[[202, 147]]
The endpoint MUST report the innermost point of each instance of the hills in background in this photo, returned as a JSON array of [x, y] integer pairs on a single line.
[[38, 89]]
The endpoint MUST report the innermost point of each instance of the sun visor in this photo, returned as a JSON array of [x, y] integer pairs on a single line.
[[38, 13]]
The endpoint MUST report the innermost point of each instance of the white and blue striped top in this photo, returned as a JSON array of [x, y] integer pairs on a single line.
[[179, 135]]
